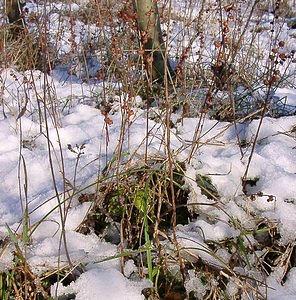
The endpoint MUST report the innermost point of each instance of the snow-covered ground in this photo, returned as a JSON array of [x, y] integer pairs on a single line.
[[55, 141], [24, 147]]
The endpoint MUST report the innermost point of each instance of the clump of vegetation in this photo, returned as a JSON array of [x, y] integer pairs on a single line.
[[133, 195], [209, 63]]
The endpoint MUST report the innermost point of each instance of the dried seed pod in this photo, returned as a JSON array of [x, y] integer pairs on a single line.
[[226, 30], [217, 44], [233, 6], [227, 8], [108, 120], [150, 59], [277, 72], [141, 51], [230, 16], [130, 113], [281, 44], [219, 63], [226, 40], [275, 79], [221, 55]]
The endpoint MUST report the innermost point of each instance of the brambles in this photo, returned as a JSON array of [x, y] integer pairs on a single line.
[[122, 151]]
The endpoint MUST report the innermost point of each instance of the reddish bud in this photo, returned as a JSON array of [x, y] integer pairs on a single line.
[[226, 30], [281, 44], [150, 59], [228, 8], [275, 78], [130, 113], [108, 121], [277, 72], [230, 16], [217, 44]]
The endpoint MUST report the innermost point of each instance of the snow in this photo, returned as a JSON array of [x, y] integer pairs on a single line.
[[285, 292], [105, 284], [273, 163], [287, 94], [80, 143]]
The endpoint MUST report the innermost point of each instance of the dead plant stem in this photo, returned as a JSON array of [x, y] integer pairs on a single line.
[[266, 101], [168, 145]]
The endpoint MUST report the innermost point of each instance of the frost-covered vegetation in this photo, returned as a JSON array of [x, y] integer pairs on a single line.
[[117, 186]]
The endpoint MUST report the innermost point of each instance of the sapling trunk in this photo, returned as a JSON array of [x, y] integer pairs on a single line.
[[151, 38]]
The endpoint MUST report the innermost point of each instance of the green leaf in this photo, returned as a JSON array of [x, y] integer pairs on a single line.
[[243, 249], [139, 201]]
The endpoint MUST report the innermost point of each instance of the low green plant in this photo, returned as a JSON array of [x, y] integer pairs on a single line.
[[20, 281]]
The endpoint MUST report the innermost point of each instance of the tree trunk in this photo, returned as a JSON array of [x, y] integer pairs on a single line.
[[14, 14], [151, 38]]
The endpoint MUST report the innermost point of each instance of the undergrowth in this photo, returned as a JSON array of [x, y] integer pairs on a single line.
[[140, 201]]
